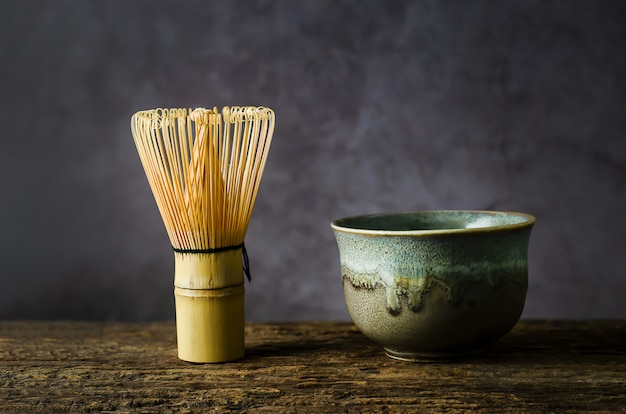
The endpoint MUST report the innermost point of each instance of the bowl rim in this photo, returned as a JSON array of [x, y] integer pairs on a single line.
[[529, 221]]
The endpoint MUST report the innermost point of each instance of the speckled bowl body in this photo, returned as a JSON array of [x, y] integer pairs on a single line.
[[434, 285]]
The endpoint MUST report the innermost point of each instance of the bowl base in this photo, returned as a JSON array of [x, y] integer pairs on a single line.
[[445, 356]]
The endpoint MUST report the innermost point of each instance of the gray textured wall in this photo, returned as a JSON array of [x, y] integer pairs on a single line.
[[381, 106]]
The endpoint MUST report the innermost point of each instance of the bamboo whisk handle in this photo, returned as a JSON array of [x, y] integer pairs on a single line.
[[209, 293]]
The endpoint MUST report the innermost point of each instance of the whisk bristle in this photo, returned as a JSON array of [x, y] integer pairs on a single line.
[[204, 168]]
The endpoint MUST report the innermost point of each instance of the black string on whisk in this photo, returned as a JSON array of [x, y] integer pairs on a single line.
[[242, 246]]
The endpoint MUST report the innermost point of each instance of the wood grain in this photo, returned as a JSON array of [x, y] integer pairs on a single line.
[[328, 367]]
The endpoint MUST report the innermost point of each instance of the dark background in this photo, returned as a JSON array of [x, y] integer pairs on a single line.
[[381, 106]]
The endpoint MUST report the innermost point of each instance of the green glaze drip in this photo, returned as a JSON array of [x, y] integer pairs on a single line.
[[413, 289]]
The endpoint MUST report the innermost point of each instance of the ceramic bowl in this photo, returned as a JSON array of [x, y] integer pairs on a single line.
[[434, 285]]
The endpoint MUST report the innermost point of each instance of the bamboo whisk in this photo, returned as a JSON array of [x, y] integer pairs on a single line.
[[204, 169]]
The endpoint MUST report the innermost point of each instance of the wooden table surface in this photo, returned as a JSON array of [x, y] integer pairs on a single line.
[[540, 366]]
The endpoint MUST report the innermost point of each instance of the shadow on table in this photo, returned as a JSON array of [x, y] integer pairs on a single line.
[[562, 342], [535, 341], [345, 345]]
